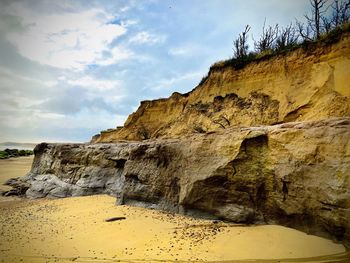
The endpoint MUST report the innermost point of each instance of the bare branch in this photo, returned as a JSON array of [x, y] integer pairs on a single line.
[[314, 22], [304, 31], [326, 24], [240, 45], [287, 37], [267, 39], [340, 12]]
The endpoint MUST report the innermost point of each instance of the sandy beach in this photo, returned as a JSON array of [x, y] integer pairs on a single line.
[[75, 230], [13, 167]]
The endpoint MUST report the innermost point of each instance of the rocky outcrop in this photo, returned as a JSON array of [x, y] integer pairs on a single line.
[[310, 83], [19, 186], [295, 174], [266, 143]]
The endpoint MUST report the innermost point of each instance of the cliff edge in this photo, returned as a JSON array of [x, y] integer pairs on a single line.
[[310, 83]]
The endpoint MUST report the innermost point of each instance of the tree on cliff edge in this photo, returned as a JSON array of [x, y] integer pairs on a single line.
[[267, 40], [313, 28], [340, 13], [287, 37], [240, 45]]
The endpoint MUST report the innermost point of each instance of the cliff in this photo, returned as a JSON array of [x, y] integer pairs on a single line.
[[267, 143], [294, 174], [310, 83]]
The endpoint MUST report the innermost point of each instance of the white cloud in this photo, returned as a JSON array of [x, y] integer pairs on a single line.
[[129, 22], [188, 50], [12, 78], [145, 37], [178, 51], [65, 40], [29, 118], [168, 83], [94, 84], [110, 91], [115, 55], [34, 120]]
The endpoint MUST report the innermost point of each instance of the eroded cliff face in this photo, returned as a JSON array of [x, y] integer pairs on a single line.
[[294, 174], [306, 84], [269, 143]]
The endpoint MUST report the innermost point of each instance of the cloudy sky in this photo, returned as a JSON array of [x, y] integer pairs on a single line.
[[69, 69]]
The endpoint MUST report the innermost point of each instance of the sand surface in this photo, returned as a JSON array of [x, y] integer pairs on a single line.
[[14, 167], [75, 230], [11, 168]]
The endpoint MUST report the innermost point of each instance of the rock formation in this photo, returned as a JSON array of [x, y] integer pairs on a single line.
[[268, 143], [306, 84], [294, 174]]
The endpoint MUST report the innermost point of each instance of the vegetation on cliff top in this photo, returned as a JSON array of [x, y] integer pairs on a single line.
[[8, 153], [324, 26]]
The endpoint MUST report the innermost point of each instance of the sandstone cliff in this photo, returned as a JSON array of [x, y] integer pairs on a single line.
[[306, 84], [268, 143], [294, 174]]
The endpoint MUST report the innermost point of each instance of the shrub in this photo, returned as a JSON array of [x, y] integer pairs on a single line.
[[7, 153], [240, 45], [267, 39]]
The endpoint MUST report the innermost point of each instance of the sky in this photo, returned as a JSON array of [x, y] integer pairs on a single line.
[[69, 69]]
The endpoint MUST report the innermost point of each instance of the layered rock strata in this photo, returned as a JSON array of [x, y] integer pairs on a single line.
[[307, 84], [295, 174]]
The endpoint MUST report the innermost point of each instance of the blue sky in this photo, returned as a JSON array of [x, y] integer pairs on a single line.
[[69, 69]]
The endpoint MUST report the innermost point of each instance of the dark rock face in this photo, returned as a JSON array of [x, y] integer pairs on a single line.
[[294, 174], [19, 187]]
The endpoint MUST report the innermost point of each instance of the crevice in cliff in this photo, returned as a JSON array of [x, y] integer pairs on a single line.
[[295, 114], [285, 189], [120, 163]]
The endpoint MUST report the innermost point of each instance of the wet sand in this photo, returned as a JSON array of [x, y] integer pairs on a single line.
[[75, 230]]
